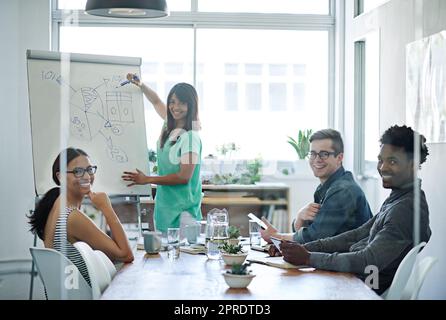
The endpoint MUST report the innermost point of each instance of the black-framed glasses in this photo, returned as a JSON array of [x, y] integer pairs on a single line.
[[79, 172], [323, 155]]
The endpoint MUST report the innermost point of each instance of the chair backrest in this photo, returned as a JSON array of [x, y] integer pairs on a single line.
[[106, 262], [417, 277], [99, 275], [403, 273], [60, 277]]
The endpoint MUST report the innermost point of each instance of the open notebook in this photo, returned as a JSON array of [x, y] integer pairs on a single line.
[[194, 249], [278, 262]]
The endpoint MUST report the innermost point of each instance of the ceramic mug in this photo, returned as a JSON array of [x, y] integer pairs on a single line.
[[152, 241]]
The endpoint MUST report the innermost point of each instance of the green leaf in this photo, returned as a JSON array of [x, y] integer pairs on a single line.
[[302, 145], [240, 268], [233, 232], [231, 248]]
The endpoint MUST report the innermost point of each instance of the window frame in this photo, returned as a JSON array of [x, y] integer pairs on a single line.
[[365, 169], [360, 7]]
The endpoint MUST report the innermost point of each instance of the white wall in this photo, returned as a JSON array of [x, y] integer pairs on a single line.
[[401, 22], [24, 24]]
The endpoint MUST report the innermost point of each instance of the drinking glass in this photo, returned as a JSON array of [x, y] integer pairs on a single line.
[[254, 234], [173, 243]]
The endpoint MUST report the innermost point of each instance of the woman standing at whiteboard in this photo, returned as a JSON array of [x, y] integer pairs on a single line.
[[179, 156]]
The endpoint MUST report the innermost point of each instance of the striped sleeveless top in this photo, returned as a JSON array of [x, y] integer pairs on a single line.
[[61, 244]]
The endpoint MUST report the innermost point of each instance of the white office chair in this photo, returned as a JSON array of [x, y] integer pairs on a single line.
[[61, 278], [417, 277], [107, 263], [99, 275], [402, 274]]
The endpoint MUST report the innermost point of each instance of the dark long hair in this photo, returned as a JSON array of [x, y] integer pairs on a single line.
[[38, 219], [186, 94]]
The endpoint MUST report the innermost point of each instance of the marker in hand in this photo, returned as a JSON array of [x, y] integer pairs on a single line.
[[135, 78]]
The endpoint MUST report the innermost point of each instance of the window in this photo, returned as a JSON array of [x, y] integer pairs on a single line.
[[260, 6], [71, 4], [364, 6], [273, 85], [253, 69], [367, 134], [266, 6], [173, 5], [299, 96], [277, 69], [150, 67], [261, 74], [231, 96], [277, 96], [231, 69], [253, 96], [174, 68], [371, 129], [299, 70], [372, 4]]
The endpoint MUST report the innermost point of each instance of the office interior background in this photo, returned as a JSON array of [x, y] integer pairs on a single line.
[[263, 70]]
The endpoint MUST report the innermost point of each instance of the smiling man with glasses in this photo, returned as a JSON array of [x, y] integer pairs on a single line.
[[339, 203]]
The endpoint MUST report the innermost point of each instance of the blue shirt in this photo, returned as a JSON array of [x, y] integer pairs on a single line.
[[343, 207]]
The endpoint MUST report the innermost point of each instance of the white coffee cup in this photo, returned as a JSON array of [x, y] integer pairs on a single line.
[[152, 241]]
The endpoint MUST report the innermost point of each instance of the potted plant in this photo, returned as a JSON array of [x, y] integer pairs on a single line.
[[302, 148], [239, 276], [233, 254], [226, 165], [234, 234], [252, 172], [302, 145], [227, 149]]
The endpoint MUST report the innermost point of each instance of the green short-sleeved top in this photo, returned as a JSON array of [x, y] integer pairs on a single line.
[[170, 201]]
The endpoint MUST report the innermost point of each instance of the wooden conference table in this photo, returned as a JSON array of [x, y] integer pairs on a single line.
[[194, 277]]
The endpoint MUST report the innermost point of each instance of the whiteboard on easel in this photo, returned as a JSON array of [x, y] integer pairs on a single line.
[[96, 114]]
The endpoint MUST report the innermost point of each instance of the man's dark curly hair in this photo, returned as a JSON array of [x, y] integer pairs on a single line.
[[404, 137]]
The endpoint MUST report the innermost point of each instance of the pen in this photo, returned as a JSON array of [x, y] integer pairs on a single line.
[[135, 78]]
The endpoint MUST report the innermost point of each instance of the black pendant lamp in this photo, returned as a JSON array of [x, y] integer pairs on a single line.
[[127, 8]]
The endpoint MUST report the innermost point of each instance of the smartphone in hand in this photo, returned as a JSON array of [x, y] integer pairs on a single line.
[[253, 217], [276, 242]]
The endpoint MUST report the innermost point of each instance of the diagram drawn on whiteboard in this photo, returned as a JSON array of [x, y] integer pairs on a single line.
[[102, 113]]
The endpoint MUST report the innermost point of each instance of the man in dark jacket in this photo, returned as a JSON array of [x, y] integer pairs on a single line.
[[383, 241], [339, 203]]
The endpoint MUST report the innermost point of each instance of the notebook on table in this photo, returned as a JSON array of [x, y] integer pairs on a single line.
[[194, 249], [278, 262], [260, 248]]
